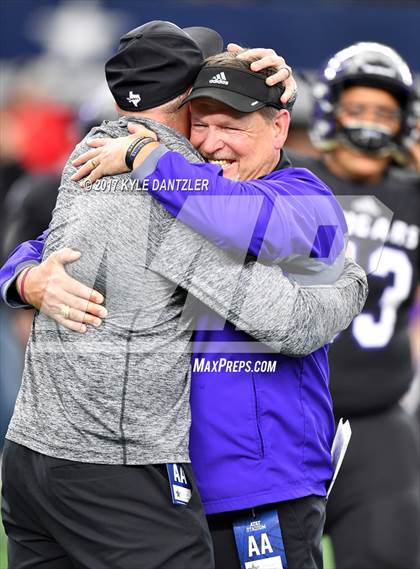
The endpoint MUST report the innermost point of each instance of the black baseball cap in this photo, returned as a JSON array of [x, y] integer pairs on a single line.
[[240, 89], [158, 61]]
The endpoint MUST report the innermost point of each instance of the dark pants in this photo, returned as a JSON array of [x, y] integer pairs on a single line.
[[301, 522], [373, 514], [60, 514]]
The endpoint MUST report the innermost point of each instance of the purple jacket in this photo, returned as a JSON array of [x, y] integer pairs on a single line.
[[262, 424]]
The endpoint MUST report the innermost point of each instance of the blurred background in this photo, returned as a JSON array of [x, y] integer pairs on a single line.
[[52, 90]]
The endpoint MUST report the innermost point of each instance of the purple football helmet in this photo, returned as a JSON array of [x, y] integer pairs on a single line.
[[372, 65]]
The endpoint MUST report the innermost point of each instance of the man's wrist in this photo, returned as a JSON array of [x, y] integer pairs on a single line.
[[134, 149], [9, 293], [144, 153], [18, 281], [20, 284]]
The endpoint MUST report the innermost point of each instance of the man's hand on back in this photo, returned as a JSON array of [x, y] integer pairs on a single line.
[[50, 289]]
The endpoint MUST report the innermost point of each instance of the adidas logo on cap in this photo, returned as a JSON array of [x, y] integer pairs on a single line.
[[220, 79]]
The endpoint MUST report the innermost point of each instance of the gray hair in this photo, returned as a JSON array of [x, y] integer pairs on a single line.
[[173, 105]]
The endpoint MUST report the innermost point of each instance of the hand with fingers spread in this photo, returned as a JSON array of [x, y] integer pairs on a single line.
[[108, 155], [51, 290], [268, 58]]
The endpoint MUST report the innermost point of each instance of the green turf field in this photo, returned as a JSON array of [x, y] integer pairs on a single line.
[[328, 553], [3, 559]]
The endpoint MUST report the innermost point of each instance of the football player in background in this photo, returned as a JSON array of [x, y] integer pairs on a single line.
[[365, 127]]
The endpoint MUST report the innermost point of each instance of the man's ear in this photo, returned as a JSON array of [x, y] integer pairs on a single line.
[[281, 123]]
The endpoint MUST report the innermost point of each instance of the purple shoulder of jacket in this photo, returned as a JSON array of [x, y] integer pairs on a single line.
[[287, 213]]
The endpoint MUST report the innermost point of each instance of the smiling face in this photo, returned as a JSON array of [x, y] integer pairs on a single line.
[[245, 145]]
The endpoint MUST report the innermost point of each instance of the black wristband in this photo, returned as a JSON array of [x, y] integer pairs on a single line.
[[135, 148]]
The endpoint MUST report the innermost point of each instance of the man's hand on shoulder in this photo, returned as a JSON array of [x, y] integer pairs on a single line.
[[51, 290]]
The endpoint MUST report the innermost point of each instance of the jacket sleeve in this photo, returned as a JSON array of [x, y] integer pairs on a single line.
[[288, 317], [289, 218], [26, 254]]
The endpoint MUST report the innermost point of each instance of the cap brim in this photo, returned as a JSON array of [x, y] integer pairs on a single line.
[[209, 41], [236, 101]]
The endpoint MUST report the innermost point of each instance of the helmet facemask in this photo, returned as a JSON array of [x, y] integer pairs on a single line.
[[365, 64]]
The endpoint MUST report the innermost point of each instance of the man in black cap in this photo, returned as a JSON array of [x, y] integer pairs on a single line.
[[101, 424]]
